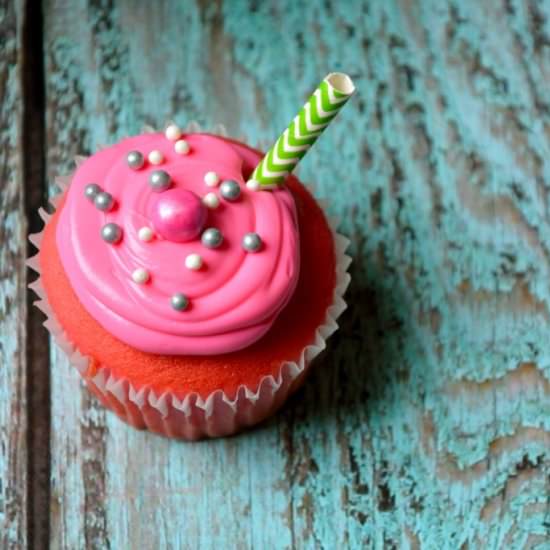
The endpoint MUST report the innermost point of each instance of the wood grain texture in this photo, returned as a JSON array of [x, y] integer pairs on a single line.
[[427, 424], [13, 414]]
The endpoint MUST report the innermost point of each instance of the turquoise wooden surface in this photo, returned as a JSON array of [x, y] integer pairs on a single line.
[[13, 413], [427, 424]]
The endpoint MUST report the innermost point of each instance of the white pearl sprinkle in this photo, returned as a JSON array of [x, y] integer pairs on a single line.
[[145, 234], [140, 276], [211, 179], [253, 185], [172, 132], [193, 262], [156, 157], [181, 147], [211, 200]]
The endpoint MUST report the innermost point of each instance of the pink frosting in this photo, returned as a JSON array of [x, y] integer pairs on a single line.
[[233, 299]]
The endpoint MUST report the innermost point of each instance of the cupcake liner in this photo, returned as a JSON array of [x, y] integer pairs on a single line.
[[192, 417]]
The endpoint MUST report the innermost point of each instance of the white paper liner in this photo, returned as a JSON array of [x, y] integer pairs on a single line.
[[191, 417]]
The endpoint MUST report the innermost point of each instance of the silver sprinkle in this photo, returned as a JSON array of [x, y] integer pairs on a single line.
[[179, 301], [135, 160], [111, 233], [252, 242], [104, 201], [159, 180], [91, 190], [230, 190], [211, 237]]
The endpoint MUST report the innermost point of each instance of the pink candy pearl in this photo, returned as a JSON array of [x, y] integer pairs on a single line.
[[178, 215]]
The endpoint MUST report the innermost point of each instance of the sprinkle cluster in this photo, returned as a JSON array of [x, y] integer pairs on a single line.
[[179, 215]]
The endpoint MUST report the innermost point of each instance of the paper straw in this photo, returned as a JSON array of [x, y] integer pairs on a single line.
[[325, 103]]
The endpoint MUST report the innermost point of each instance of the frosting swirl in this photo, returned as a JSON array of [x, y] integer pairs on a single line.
[[128, 283]]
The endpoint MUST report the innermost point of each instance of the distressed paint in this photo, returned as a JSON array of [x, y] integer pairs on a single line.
[[426, 425], [13, 413]]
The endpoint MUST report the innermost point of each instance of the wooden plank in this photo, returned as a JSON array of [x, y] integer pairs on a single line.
[[24, 413], [13, 415], [426, 424], [99, 489]]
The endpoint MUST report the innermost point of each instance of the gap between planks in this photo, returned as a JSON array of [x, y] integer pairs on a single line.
[[37, 343]]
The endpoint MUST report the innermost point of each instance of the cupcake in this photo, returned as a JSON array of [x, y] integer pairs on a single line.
[[191, 302]]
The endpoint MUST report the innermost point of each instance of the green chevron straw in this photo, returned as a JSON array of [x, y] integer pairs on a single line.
[[325, 103]]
